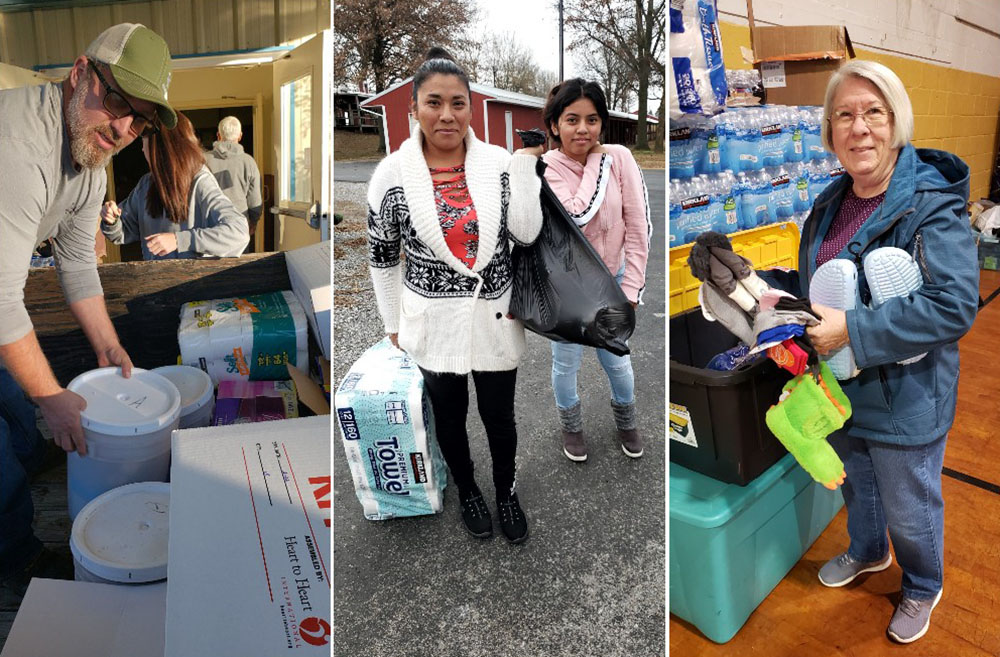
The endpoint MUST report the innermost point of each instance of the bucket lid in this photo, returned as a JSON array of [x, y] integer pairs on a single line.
[[194, 385], [122, 535], [144, 403]]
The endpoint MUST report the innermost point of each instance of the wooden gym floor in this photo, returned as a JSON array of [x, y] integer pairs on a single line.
[[802, 618]]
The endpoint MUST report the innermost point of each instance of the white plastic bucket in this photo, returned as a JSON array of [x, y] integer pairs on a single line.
[[120, 537], [127, 425], [197, 394]]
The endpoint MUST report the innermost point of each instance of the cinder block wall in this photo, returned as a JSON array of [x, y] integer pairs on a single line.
[[949, 61]]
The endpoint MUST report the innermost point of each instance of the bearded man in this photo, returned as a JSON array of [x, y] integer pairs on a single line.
[[56, 140]]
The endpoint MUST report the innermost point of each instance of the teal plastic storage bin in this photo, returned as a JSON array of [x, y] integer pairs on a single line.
[[730, 545]]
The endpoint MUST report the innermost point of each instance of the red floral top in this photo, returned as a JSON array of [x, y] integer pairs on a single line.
[[457, 214]]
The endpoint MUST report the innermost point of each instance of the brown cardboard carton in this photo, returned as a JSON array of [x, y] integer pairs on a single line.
[[796, 62]]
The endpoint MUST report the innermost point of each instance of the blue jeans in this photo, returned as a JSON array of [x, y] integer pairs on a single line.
[[898, 488], [22, 448], [566, 360]]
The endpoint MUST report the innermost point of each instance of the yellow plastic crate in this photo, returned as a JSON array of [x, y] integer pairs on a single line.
[[774, 245]]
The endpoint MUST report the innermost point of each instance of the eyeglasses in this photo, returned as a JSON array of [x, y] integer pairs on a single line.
[[874, 117], [117, 106]]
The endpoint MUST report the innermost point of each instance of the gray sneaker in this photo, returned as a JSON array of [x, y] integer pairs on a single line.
[[843, 569], [912, 619]]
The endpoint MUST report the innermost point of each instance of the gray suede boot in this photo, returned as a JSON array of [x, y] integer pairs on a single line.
[[628, 434], [571, 420]]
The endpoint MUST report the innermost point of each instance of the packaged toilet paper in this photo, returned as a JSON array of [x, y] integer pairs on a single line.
[[388, 433], [245, 339], [697, 73]]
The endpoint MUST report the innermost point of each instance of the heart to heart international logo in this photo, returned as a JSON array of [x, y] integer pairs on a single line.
[[315, 631]]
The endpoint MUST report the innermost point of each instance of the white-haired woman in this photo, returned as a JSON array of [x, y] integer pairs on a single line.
[[893, 447]]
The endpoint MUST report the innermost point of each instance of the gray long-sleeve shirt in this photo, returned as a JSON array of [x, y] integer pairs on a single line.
[[238, 176], [43, 195], [213, 226]]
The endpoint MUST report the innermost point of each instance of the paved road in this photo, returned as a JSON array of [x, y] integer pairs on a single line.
[[590, 581]]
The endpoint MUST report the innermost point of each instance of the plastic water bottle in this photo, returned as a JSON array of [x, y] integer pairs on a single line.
[[725, 129], [801, 201], [674, 205], [743, 189], [750, 154], [715, 136], [699, 143], [681, 153], [772, 151], [819, 178], [731, 201], [762, 210], [794, 149], [781, 192], [813, 136]]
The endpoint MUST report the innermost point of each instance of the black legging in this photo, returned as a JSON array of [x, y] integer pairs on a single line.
[[449, 396]]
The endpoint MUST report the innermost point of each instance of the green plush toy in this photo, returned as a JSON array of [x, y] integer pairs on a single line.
[[810, 409]]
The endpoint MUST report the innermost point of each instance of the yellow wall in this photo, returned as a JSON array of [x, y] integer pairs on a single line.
[[193, 87], [953, 110]]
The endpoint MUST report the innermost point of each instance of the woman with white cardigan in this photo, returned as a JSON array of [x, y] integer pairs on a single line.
[[453, 204]]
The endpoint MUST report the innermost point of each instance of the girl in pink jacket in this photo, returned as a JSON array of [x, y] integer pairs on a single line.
[[602, 189]]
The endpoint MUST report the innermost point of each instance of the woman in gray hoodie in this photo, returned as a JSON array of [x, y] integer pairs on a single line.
[[177, 210]]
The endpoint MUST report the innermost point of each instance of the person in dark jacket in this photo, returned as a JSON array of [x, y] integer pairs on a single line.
[[236, 171], [893, 447]]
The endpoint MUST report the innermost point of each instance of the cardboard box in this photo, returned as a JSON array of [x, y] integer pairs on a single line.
[[250, 535], [309, 272], [796, 62], [60, 618]]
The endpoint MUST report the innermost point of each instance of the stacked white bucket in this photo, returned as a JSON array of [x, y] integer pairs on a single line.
[[119, 528]]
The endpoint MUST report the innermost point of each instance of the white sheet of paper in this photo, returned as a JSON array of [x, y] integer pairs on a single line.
[[250, 532], [60, 618], [773, 74]]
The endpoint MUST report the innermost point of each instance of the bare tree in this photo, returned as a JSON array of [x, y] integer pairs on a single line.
[[605, 67], [382, 41], [634, 30], [502, 61], [508, 64]]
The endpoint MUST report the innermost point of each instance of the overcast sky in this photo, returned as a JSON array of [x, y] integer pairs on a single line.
[[536, 24]]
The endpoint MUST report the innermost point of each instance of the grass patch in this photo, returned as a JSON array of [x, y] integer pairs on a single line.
[[649, 159], [348, 145]]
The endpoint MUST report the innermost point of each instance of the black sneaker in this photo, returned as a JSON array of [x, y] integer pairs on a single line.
[[513, 522], [47, 564], [475, 514]]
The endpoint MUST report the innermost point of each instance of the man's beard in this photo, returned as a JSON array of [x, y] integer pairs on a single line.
[[82, 144]]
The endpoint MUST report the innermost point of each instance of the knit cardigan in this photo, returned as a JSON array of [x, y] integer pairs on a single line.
[[607, 199], [451, 318]]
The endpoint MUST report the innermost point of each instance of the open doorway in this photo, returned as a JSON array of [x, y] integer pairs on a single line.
[[206, 125], [130, 165]]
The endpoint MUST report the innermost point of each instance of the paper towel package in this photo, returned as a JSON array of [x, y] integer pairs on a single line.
[[60, 618], [243, 339], [388, 435], [309, 273], [250, 540]]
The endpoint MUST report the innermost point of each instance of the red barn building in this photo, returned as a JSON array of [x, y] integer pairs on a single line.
[[496, 115]]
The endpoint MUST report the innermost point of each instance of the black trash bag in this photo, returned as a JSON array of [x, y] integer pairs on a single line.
[[563, 290]]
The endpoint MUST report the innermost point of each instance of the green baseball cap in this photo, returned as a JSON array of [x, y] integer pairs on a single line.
[[140, 61]]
